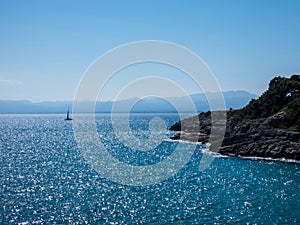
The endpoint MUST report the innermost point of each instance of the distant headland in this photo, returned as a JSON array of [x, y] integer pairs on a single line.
[[267, 127]]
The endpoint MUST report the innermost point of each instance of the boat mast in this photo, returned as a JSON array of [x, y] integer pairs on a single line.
[[68, 114]]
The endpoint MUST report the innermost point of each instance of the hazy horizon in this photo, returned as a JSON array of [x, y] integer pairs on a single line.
[[132, 97]]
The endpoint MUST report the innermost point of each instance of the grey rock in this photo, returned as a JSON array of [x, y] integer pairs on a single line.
[[256, 137]]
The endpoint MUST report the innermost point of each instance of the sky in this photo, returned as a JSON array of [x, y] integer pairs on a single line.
[[47, 46]]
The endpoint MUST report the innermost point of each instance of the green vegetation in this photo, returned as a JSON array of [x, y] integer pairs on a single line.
[[283, 96], [292, 121]]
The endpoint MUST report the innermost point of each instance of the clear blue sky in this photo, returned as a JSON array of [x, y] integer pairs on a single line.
[[45, 46]]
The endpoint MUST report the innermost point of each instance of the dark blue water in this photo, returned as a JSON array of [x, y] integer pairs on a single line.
[[45, 180]]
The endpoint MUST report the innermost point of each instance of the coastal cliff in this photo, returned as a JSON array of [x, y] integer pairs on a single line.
[[267, 127]]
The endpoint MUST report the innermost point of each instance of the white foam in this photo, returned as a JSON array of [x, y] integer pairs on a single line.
[[270, 159], [218, 155], [184, 141]]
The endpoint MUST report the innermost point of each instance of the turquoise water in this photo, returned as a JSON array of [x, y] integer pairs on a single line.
[[45, 180]]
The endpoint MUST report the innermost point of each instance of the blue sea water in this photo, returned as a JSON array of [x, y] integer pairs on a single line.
[[44, 179]]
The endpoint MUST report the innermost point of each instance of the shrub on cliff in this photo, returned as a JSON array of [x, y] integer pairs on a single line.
[[292, 119], [280, 93]]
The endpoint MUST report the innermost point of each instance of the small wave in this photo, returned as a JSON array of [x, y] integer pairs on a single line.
[[214, 154], [183, 141], [270, 159]]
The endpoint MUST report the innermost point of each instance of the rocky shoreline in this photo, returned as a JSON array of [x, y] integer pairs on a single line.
[[268, 127], [251, 138]]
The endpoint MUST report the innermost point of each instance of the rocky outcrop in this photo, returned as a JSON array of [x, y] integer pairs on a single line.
[[257, 138], [249, 137], [268, 127]]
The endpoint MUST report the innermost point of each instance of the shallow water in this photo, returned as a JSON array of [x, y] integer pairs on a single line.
[[44, 179]]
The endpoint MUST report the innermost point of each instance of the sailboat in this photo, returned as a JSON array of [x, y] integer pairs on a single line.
[[68, 116]]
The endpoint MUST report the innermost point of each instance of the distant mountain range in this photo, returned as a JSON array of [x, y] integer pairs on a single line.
[[233, 99]]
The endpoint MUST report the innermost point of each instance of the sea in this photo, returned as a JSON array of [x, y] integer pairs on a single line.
[[46, 177]]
